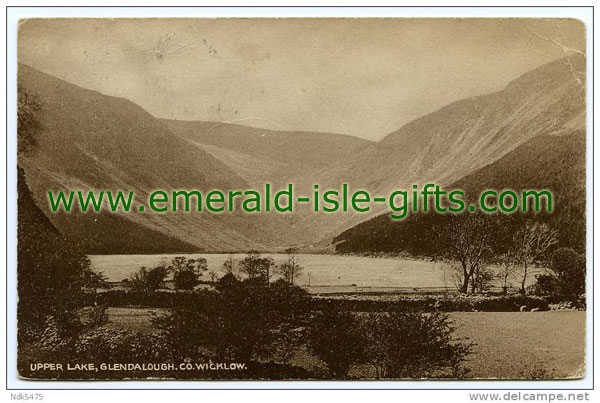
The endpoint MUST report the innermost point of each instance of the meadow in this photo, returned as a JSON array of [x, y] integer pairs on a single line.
[[506, 345]]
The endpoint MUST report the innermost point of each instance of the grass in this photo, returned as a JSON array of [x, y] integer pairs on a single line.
[[524, 344], [505, 344]]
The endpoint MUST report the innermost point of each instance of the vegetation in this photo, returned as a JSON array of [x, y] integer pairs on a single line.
[[28, 124], [147, 280], [256, 266], [240, 320], [545, 162], [291, 269], [567, 276], [530, 243], [466, 241]]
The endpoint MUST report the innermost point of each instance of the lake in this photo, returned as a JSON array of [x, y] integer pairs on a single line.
[[322, 273]]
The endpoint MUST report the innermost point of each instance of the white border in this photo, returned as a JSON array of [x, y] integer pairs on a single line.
[[14, 14]]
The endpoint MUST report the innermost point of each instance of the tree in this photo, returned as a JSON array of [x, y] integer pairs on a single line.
[[545, 284], [291, 269], [185, 272], [201, 265], [569, 268], [334, 337], [28, 123], [52, 273], [181, 263], [213, 276], [185, 279], [507, 262], [94, 280], [231, 267], [531, 242], [147, 280], [256, 266], [482, 279], [466, 241]]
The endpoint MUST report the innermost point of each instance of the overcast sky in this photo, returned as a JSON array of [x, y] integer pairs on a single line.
[[363, 77]]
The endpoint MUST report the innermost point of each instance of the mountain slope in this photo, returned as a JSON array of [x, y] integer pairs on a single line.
[[261, 156], [450, 143], [554, 162], [87, 140], [454, 141]]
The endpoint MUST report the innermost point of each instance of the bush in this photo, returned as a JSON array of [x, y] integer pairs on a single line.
[[241, 320], [545, 284], [412, 345], [121, 346], [569, 267], [185, 280], [428, 303], [397, 344], [335, 338]]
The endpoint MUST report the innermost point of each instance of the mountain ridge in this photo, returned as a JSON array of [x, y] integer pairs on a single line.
[[92, 141]]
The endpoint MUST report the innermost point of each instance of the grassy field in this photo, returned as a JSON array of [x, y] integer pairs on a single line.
[[506, 344]]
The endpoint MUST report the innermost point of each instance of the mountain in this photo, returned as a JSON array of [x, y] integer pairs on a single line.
[[466, 135], [87, 140], [260, 156], [450, 143], [554, 162]]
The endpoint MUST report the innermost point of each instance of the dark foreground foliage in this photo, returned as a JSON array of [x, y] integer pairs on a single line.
[[358, 303]]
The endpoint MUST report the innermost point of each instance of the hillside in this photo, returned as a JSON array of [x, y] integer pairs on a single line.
[[555, 162], [457, 140], [466, 135], [260, 155], [87, 140]]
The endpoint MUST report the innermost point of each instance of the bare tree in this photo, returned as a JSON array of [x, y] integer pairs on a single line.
[[531, 242], [466, 240], [507, 262], [291, 269], [201, 265], [213, 276], [231, 267]]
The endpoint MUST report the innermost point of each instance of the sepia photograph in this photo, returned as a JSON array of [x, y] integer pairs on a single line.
[[301, 199]]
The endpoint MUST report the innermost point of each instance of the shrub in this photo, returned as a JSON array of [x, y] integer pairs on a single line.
[[185, 280], [335, 338], [240, 320], [545, 284], [411, 345], [458, 303], [569, 267], [109, 345], [147, 280]]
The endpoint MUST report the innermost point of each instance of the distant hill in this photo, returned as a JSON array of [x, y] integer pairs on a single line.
[[555, 162], [260, 155]]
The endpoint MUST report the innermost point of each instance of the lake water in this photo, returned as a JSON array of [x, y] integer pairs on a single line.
[[319, 270], [332, 273]]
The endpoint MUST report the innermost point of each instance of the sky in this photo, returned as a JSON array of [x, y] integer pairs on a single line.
[[361, 77]]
